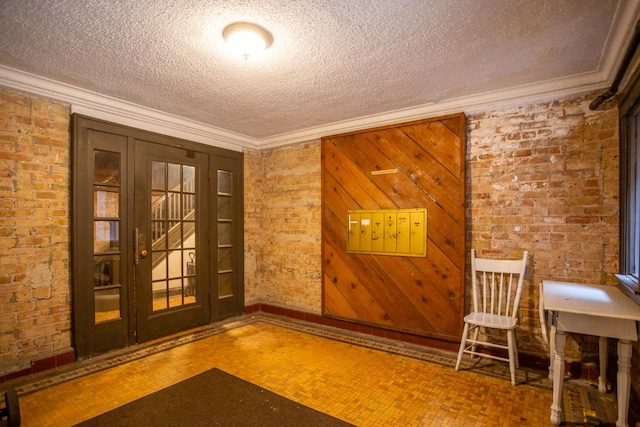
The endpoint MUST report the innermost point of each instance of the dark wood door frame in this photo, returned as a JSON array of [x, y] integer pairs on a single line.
[[152, 323], [91, 337]]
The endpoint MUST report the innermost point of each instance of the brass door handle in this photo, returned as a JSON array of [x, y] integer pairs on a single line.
[[139, 243]]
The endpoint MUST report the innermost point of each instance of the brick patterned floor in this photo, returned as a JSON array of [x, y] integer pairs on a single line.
[[359, 379]]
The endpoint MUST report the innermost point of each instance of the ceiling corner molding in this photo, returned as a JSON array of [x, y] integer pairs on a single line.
[[128, 114], [518, 96], [125, 113], [627, 15], [114, 110]]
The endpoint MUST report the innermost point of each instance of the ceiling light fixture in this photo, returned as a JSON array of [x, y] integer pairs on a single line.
[[247, 39]]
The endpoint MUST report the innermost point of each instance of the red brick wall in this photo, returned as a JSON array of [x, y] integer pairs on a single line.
[[544, 178], [35, 311], [541, 177]]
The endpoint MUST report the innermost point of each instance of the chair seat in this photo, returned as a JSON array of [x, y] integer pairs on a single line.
[[491, 320]]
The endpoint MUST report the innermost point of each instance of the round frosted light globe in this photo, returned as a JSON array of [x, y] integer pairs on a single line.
[[247, 40]]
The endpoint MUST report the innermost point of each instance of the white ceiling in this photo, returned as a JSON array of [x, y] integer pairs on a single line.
[[334, 65]]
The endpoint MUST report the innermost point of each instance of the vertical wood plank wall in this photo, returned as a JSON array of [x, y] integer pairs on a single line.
[[419, 295]]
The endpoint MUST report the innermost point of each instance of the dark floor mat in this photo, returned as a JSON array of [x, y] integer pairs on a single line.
[[214, 398]]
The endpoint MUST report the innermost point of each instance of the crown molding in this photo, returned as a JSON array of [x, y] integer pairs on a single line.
[[619, 37], [115, 110], [524, 95], [102, 107]]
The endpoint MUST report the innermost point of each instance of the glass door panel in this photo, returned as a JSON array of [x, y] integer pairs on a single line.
[[225, 234], [171, 205], [145, 247], [173, 213], [107, 284]]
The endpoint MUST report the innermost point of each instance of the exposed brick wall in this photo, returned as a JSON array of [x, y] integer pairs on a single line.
[[540, 177], [291, 227], [253, 236], [544, 178], [35, 310]]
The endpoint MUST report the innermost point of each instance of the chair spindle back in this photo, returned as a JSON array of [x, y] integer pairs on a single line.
[[497, 284]]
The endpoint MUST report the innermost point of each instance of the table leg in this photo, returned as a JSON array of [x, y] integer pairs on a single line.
[[604, 361], [558, 377], [624, 383], [552, 350]]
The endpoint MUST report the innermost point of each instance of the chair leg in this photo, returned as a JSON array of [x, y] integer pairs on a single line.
[[476, 332], [512, 355], [515, 350], [463, 342]]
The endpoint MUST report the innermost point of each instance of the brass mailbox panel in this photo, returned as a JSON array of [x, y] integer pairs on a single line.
[[390, 229], [418, 224], [365, 232], [353, 242], [399, 232], [403, 234], [377, 232]]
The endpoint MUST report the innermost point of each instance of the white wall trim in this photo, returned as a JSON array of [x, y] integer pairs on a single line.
[[114, 110], [524, 95], [103, 107]]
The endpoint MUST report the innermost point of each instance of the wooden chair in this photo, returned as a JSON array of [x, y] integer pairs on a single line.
[[497, 286]]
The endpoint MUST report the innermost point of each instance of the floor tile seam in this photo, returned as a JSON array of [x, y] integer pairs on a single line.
[[418, 354], [84, 368], [362, 342], [100, 364]]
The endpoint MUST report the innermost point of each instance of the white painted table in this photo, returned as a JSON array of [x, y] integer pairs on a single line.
[[602, 311]]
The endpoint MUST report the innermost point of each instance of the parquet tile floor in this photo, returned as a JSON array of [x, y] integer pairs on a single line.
[[363, 382]]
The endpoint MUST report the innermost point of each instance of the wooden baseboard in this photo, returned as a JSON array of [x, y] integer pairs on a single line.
[[526, 360], [40, 365], [352, 327], [68, 357]]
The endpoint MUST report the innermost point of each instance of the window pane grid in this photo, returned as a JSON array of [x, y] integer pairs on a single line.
[[225, 227], [106, 236], [173, 229]]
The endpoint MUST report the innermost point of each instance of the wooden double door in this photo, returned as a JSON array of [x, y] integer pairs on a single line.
[[157, 236]]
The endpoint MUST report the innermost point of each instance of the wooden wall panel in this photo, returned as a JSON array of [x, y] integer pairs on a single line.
[[420, 295]]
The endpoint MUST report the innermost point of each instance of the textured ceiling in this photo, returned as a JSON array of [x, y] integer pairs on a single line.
[[331, 61]]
